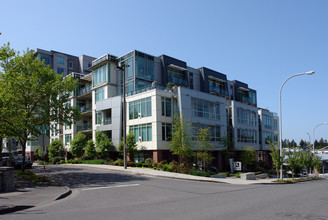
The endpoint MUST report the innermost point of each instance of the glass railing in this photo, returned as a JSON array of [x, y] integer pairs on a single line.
[[84, 127], [85, 108], [107, 121], [83, 90]]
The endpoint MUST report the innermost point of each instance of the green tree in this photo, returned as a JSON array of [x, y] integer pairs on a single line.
[[31, 95], [248, 158], [275, 155], [90, 150], [307, 159], [56, 149], [227, 145], [131, 145], [78, 145], [294, 161], [204, 147], [181, 141], [103, 145]]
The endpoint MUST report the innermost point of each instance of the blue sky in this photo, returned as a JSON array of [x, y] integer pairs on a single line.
[[257, 42]]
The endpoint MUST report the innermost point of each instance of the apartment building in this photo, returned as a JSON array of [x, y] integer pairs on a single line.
[[157, 88]]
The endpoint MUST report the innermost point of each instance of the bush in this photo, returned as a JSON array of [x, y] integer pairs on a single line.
[[118, 162], [149, 162], [56, 160], [131, 164], [196, 172]]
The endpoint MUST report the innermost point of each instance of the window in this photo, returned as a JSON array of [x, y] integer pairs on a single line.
[[60, 60], [166, 131], [218, 87], [246, 117], [176, 76], [60, 70], [140, 108], [213, 130], [46, 58], [143, 132], [267, 137], [89, 65], [205, 109], [67, 138], [70, 64], [246, 135], [166, 107], [267, 121], [98, 117], [144, 69], [99, 94], [101, 75]]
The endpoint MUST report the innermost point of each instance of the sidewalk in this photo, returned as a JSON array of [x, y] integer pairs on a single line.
[[160, 173], [28, 195]]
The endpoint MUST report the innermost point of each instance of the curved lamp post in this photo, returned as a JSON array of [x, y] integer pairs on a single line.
[[280, 116], [326, 123]]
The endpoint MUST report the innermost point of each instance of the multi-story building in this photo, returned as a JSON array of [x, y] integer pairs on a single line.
[[157, 88], [67, 64]]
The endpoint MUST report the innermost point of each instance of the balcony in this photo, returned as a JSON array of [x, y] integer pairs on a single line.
[[83, 91], [84, 127], [107, 121], [85, 108]]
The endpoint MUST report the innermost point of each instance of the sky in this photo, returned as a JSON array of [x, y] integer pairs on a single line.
[[258, 42]]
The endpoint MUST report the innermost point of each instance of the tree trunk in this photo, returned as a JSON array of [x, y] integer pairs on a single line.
[[23, 143]]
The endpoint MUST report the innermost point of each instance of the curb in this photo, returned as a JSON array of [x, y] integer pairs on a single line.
[[65, 194]]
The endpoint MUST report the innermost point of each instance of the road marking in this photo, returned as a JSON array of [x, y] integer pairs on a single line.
[[109, 187]]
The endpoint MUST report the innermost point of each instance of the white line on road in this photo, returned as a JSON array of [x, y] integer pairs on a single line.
[[109, 187]]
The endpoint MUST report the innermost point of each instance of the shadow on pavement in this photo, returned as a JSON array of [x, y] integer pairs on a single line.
[[84, 177]]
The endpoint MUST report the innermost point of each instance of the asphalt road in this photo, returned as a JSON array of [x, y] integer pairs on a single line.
[[102, 194]]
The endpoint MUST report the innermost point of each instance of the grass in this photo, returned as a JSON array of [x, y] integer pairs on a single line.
[[28, 175], [289, 181]]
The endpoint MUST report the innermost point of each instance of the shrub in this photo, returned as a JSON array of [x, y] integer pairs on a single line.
[[55, 160], [149, 162], [94, 161], [131, 164], [196, 172]]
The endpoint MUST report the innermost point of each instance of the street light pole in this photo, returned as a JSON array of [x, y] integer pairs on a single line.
[[326, 123], [280, 115], [122, 68]]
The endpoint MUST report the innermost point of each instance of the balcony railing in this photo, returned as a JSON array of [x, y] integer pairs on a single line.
[[84, 127], [85, 108], [83, 90], [107, 121]]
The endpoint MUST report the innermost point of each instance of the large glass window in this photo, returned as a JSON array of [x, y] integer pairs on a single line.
[[60, 70], [166, 107], [205, 109], [68, 138], [267, 137], [143, 132], [176, 76], [140, 108], [246, 135], [218, 87], [144, 69], [46, 58], [99, 94], [246, 117], [267, 121], [60, 60], [101, 75], [213, 130], [166, 131]]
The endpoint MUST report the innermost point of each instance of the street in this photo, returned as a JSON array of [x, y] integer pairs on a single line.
[[103, 194]]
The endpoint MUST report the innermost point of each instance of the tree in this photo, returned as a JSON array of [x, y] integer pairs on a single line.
[[181, 142], [228, 147], [56, 149], [103, 145], [248, 158], [294, 160], [78, 144], [204, 146], [307, 159], [131, 145], [275, 155], [90, 150], [31, 95]]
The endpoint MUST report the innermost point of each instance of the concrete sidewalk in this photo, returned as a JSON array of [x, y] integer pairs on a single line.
[[28, 195], [160, 173]]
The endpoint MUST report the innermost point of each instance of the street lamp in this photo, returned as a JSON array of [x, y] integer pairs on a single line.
[[326, 123], [280, 116], [122, 68]]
